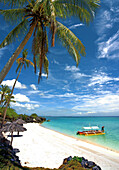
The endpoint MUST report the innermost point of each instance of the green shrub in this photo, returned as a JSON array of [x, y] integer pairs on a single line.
[[34, 115]]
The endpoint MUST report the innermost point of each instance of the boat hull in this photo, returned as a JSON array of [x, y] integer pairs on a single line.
[[90, 133]]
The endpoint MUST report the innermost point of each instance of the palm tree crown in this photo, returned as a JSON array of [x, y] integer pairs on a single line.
[[4, 92], [38, 15]]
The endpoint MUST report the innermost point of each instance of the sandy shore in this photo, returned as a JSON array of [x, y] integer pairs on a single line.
[[42, 147]]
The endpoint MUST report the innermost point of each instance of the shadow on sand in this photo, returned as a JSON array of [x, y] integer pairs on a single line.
[[15, 135]]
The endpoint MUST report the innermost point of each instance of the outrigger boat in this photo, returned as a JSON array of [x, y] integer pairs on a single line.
[[93, 130]]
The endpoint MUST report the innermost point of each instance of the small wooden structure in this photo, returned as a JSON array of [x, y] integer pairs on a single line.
[[12, 127]]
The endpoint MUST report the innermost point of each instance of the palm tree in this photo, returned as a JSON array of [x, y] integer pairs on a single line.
[[6, 99], [21, 61], [5, 91], [36, 17]]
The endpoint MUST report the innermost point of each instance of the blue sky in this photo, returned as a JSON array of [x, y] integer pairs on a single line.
[[92, 89]]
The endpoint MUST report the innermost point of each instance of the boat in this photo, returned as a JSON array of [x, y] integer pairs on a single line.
[[91, 130]]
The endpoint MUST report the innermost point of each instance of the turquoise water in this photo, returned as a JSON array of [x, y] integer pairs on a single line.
[[70, 125]]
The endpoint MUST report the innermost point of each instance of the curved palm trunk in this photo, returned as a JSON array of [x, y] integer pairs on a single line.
[[9, 64], [10, 97]]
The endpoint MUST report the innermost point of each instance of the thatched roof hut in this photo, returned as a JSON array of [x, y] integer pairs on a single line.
[[20, 121], [12, 127]]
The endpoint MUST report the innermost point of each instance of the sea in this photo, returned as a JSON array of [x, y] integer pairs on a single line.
[[70, 126]]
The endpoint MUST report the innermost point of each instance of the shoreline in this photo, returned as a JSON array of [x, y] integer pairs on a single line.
[[87, 141], [43, 147]]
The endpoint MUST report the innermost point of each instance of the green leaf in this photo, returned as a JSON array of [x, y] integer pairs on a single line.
[[14, 33], [84, 9], [12, 3], [13, 15], [70, 42], [46, 65]]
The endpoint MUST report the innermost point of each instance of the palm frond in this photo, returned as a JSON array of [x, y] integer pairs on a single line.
[[31, 63], [34, 60], [13, 15], [71, 42], [46, 65], [19, 60], [24, 54], [38, 5], [14, 33], [84, 9], [12, 3], [28, 62], [36, 44], [40, 49]]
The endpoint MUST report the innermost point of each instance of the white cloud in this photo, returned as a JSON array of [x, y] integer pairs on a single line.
[[2, 51], [27, 106], [56, 62], [79, 75], [110, 48], [98, 104], [11, 82], [21, 98], [108, 42], [101, 79], [75, 72], [33, 86], [104, 21], [79, 113], [44, 75], [72, 68], [75, 26], [66, 95], [33, 92]]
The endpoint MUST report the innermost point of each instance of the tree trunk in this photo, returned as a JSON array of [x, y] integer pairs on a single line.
[[10, 98], [9, 64], [11, 138], [2, 95]]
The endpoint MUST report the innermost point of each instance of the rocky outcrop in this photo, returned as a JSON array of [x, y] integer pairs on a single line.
[[78, 163], [8, 158]]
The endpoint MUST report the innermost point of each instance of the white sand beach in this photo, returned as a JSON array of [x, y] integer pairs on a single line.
[[42, 147]]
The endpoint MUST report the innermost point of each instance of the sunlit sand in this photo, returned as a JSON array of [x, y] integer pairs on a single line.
[[42, 147]]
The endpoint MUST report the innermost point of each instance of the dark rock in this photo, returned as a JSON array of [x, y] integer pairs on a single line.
[[86, 164], [96, 168], [90, 164], [83, 163], [69, 158], [83, 158], [65, 161], [7, 154]]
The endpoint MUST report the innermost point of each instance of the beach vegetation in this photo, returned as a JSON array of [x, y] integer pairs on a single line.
[[11, 115], [4, 92], [34, 115], [37, 18], [22, 61]]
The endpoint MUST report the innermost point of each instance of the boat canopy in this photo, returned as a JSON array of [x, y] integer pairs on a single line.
[[91, 127]]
